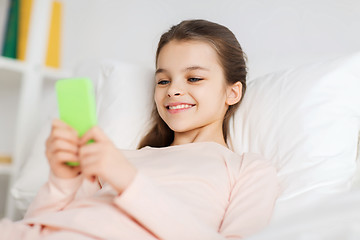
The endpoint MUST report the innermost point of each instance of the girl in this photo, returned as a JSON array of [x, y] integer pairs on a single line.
[[183, 182]]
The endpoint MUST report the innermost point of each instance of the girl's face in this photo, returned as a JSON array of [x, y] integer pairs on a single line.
[[190, 92]]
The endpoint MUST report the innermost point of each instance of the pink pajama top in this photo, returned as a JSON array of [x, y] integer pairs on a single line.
[[192, 191]]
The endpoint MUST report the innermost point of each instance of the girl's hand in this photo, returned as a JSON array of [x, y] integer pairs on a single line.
[[62, 146], [104, 160]]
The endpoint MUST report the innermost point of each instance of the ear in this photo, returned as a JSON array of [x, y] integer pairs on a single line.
[[233, 93]]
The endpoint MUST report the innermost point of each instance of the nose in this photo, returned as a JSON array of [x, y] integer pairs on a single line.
[[175, 94], [175, 90]]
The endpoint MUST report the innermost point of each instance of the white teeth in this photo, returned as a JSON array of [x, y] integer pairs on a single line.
[[181, 106]]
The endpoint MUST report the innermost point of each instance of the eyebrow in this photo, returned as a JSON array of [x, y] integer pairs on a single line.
[[161, 70]]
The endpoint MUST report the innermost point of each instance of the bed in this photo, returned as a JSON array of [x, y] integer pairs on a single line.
[[305, 120]]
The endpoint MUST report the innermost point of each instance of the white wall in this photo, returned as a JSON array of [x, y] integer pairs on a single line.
[[275, 34]]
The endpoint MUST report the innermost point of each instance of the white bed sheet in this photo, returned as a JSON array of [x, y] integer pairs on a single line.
[[336, 217]]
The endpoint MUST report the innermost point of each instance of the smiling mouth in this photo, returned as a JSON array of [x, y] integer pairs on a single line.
[[180, 106]]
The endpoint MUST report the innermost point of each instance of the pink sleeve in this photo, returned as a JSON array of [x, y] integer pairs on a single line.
[[167, 218], [252, 200], [57, 193], [161, 214]]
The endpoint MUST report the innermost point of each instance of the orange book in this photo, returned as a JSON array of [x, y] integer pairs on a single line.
[[23, 28], [5, 159], [54, 42]]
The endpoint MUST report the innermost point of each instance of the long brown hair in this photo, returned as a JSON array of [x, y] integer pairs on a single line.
[[232, 59]]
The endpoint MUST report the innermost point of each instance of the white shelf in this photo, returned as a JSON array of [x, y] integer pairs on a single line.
[[55, 74], [6, 169], [12, 64], [17, 66], [23, 85]]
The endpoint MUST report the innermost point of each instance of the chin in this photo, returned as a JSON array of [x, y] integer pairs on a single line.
[[180, 128]]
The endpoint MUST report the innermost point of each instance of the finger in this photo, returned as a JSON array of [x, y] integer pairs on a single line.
[[92, 178], [88, 150], [76, 169], [65, 135], [94, 133], [89, 171], [63, 157], [62, 145], [57, 123], [90, 165], [90, 162], [59, 131]]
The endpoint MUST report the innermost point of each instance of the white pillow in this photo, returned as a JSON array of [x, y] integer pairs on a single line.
[[125, 101], [305, 120]]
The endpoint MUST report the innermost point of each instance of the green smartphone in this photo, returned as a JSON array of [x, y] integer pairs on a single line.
[[76, 104]]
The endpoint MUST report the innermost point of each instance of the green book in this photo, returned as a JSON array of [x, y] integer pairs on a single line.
[[11, 32]]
